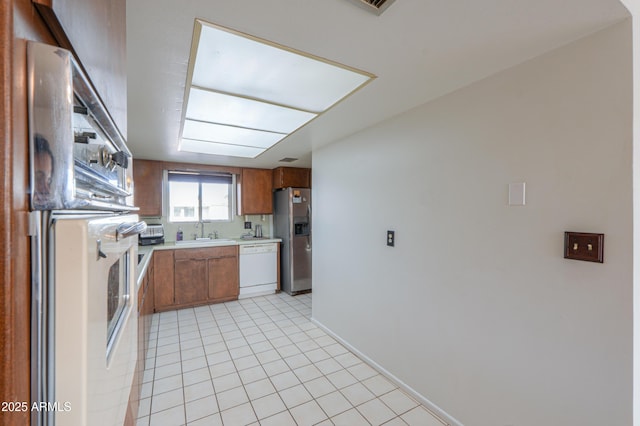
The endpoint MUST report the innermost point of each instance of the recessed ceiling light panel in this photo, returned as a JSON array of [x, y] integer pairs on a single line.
[[232, 135], [220, 108], [251, 93], [249, 67], [204, 147]]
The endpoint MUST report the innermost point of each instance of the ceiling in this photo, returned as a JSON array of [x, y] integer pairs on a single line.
[[418, 49]]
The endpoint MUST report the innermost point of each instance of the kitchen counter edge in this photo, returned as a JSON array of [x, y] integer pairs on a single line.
[[147, 250]]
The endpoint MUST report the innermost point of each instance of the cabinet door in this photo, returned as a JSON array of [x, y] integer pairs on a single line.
[[147, 189], [96, 31], [255, 189], [138, 375], [149, 290], [223, 278], [190, 281], [148, 309], [163, 279], [291, 177]]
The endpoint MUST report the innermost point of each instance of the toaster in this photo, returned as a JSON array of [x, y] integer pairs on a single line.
[[154, 234]]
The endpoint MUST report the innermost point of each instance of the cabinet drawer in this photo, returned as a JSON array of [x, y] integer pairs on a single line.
[[199, 253], [228, 251], [206, 252]]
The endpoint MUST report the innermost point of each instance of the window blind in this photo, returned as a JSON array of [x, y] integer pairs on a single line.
[[177, 176]]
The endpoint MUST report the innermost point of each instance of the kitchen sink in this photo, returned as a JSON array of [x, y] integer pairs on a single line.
[[205, 241]]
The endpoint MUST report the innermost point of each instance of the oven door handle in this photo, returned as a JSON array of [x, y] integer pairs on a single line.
[[125, 230]]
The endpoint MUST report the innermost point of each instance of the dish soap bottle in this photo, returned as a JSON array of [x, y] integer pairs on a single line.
[[179, 235]]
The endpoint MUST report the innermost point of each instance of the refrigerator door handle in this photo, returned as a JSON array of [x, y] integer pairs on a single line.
[[309, 222]]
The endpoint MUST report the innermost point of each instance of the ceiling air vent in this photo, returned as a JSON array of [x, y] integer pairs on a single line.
[[375, 6], [288, 160]]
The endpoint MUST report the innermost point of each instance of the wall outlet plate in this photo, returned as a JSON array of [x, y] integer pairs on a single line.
[[584, 246], [391, 238], [247, 225]]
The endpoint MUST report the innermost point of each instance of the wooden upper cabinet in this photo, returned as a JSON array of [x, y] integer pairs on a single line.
[[291, 177], [255, 192], [147, 187], [95, 31]]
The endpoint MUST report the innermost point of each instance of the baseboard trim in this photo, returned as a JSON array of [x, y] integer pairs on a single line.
[[439, 413]]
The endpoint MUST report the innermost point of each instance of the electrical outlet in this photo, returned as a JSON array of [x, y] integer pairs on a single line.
[[391, 238], [247, 225]]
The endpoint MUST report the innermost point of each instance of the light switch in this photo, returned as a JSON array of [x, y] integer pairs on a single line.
[[584, 246], [517, 194]]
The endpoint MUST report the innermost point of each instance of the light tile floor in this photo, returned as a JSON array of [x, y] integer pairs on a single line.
[[261, 361]]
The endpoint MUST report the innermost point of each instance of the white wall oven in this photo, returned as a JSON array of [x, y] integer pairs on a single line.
[[84, 234], [95, 328]]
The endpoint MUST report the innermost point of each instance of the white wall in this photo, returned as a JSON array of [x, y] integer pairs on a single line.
[[475, 308], [634, 8]]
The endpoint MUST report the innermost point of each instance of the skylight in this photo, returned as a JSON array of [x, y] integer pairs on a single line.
[[245, 94]]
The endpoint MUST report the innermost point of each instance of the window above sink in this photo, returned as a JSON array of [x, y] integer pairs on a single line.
[[199, 197]]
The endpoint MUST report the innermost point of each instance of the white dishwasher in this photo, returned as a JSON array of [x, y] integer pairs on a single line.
[[258, 269]]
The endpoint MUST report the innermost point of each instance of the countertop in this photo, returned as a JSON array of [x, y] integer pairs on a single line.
[[147, 250]]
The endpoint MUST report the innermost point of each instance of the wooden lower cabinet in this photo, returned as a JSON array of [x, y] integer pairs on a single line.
[[195, 276], [223, 279], [148, 309], [164, 295], [145, 312], [190, 281]]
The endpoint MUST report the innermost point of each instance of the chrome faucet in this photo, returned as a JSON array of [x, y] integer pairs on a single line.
[[201, 226], [212, 235]]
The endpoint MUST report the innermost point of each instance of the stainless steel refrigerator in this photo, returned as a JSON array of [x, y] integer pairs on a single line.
[[292, 224]]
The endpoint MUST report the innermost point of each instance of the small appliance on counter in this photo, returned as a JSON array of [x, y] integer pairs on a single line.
[[154, 234]]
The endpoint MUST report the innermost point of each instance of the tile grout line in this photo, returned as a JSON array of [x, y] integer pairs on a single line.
[[260, 364], [208, 370], [269, 307], [277, 392]]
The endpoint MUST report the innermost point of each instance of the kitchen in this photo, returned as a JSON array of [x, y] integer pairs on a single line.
[[253, 228], [471, 107]]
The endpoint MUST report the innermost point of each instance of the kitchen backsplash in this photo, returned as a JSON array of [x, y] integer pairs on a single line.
[[233, 229]]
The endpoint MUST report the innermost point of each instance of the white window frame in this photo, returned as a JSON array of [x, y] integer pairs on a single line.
[[165, 198]]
